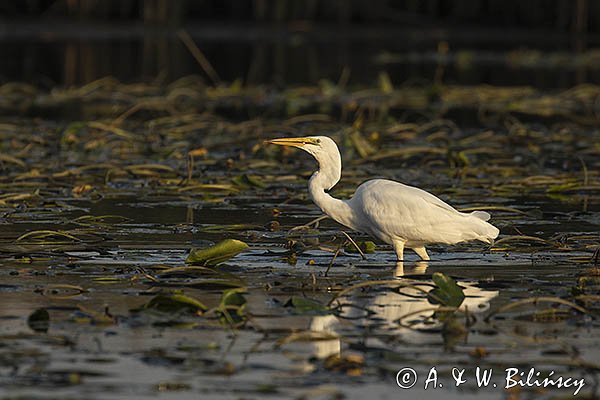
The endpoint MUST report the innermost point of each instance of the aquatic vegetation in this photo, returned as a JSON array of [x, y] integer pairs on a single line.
[[216, 254], [106, 187]]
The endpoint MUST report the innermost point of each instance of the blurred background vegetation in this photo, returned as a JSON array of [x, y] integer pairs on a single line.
[[546, 44]]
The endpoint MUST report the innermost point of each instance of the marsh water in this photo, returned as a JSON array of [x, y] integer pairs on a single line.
[[106, 187]]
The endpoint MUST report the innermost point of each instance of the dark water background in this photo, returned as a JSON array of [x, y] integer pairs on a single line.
[[545, 44]]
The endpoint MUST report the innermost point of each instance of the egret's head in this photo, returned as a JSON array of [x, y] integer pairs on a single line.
[[317, 146], [322, 148]]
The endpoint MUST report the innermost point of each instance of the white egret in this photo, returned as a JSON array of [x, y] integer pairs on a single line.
[[397, 214]]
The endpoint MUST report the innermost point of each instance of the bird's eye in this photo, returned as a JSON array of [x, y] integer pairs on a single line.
[[318, 141]]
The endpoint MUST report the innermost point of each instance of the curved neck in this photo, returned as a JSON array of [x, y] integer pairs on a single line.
[[321, 181]]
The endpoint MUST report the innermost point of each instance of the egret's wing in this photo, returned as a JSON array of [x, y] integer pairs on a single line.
[[393, 210]]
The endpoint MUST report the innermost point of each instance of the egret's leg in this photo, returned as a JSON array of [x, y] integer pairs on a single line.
[[399, 249], [421, 252], [399, 271]]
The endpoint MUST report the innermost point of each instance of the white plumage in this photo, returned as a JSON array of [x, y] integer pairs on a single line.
[[397, 214]]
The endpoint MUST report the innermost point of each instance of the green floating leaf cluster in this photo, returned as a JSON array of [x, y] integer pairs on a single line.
[[367, 247], [172, 303], [447, 292], [231, 310], [216, 254]]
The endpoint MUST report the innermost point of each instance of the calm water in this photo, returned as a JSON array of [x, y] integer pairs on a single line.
[[136, 356], [100, 203]]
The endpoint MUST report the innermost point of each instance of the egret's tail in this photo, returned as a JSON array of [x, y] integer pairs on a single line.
[[482, 215], [487, 232], [481, 229]]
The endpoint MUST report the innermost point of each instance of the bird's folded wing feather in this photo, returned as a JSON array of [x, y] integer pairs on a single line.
[[392, 208]]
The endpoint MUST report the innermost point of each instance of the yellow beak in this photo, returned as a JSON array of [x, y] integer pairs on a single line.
[[293, 142]]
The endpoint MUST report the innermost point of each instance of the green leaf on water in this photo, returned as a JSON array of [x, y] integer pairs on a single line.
[[447, 292], [366, 247], [39, 320], [304, 304], [216, 254], [233, 297], [232, 306], [170, 303]]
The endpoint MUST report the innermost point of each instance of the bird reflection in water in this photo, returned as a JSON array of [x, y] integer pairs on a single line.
[[418, 268], [387, 314]]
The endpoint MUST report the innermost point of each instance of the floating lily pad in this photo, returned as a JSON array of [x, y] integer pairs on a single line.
[[447, 292], [366, 247], [216, 254], [170, 303], [233, 297]]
